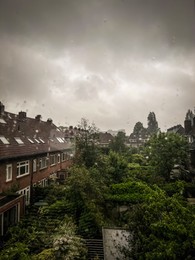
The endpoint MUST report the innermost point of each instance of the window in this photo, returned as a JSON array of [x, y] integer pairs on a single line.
[[2, 121], [18, 140], [37, 141], [59, 139], [22, 168], [52, 159], [8, 172], [44, 182], [64, 156], [43, 163], [4, 140], [34, 165], [42, 141], [30, 140], [58, 158], [26, 193]]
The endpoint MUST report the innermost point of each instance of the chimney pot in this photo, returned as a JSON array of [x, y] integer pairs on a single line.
[[38, 117], [49, 120], [2, 108], [22, 115]]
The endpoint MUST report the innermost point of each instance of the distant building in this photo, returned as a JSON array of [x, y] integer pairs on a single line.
[[179, 129], [115, 132], [32, 152], [140, 134], [104, 139]]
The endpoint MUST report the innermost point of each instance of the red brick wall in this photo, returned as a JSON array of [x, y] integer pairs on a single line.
[[25, 180]]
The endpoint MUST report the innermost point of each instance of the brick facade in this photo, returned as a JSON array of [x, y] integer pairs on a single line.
[[31, 153]]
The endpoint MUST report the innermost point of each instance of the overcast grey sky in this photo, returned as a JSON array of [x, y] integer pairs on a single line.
[[110, 61]]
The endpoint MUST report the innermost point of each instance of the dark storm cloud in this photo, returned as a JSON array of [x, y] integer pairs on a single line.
[[99, 59]]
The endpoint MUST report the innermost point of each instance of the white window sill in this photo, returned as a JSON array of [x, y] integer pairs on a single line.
[[22, 175]]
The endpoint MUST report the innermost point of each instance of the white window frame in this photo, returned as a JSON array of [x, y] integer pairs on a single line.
[[43, 163], [20, 165], [34, 165], [59, 158], [64, 156], [44, 182], [26, 193], [52, 159], [8, 172]]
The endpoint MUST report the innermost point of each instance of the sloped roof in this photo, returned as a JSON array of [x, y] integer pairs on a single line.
[[105, 137], [35, 136], [176, 129]]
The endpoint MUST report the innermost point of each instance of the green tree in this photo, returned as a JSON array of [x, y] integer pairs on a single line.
[[85, 192], [165, 150], [138, 128], [152, 123], [86, 151], [118, 143], [160, 227], [115, 168]]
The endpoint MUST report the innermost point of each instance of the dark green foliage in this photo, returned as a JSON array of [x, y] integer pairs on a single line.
[[116, 168], [163, 151], [86, 152], [130, 192], [118, 143], [138, 128], [152, 123]]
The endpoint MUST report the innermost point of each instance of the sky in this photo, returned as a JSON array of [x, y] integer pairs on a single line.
[[109, 61]]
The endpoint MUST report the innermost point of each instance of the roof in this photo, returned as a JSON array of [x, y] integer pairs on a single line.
[[24, 136], [105, 137], [179, 129]]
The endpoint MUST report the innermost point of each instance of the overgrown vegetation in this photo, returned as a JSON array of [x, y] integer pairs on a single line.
[[157, 215]]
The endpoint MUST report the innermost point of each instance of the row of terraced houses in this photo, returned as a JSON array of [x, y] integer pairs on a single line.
[[32, 152]]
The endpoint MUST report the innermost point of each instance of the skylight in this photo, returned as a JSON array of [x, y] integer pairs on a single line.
[[37, 141], [2, 121], [4, 140], [42, 141], [18, 140], [30, 140], [59, 139]]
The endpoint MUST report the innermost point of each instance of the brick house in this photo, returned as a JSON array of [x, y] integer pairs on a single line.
[[32, 152], [177, 129]]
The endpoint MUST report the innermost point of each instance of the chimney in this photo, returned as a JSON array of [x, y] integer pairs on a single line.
[[49, 121], [38, 117], [22, 115], [2, 108], [194, 122], [187, 126]]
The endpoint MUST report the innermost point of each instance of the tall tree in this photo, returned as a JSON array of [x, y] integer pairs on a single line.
[[152, 123], [165, 150], [138, 128], [86, 151], [118, 143]]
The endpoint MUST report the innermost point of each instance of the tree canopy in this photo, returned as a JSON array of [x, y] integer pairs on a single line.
[[164, 150]]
